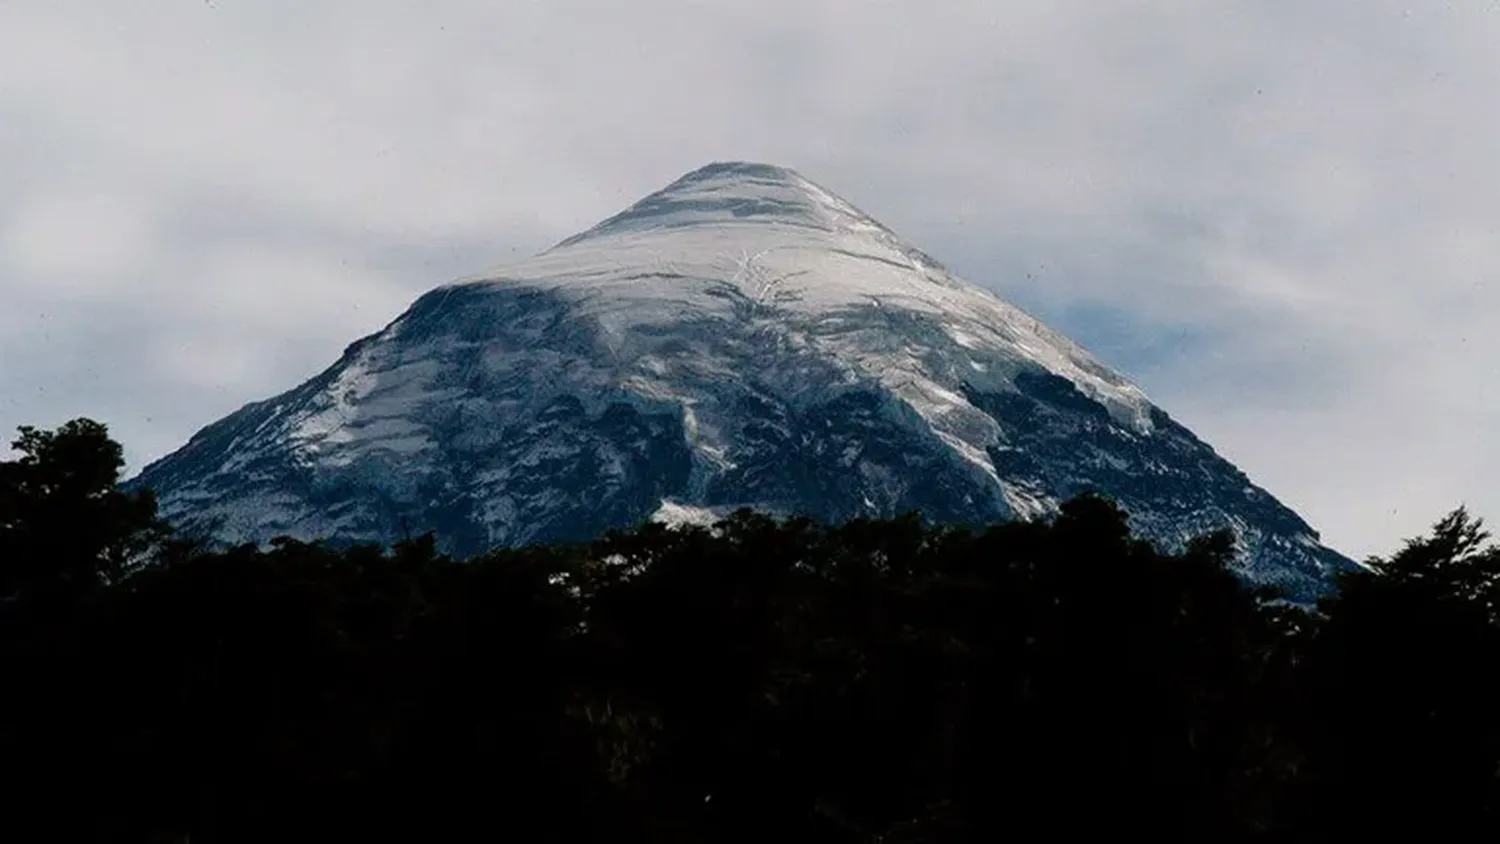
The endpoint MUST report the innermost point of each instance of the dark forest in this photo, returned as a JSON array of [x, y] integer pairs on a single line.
[[761, 680]]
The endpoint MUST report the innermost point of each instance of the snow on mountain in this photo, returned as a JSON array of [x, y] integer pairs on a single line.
[[742, 337]]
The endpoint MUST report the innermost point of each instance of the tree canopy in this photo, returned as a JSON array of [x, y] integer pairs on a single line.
[[877, 681], [65, 527]]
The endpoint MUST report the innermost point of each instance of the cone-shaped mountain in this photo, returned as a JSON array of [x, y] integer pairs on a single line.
[[742, 337]]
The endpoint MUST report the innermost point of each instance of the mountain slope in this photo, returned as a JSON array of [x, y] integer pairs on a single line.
[[739, 338]]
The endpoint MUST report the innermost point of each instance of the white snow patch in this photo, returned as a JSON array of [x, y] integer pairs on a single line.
[[1027, 504], [964, 338], [673, 514], [338, 403]]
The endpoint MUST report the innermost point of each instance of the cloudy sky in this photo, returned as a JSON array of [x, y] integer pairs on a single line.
[[1281, 218]]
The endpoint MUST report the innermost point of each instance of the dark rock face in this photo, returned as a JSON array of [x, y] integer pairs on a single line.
[[1175, 486], [847, 457], [742, 338]]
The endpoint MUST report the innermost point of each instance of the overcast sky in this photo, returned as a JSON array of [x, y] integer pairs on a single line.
[[1279, 217]]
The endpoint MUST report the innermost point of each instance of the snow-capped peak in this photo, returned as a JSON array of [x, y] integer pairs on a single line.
[[745, 241], [742, 337], [735, 193]]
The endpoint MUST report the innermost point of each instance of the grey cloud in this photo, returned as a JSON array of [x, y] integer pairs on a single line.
[[1279, 217]]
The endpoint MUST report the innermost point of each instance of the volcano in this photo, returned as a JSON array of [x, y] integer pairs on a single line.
[[740, 338]]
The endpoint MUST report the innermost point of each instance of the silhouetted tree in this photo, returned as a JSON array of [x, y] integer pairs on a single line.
[[1404, 679], [64, 526]]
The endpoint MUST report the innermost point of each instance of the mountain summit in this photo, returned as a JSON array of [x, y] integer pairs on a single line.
[[742, 337]]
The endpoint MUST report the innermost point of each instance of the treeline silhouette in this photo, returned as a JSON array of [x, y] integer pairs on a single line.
[[879, 681]]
